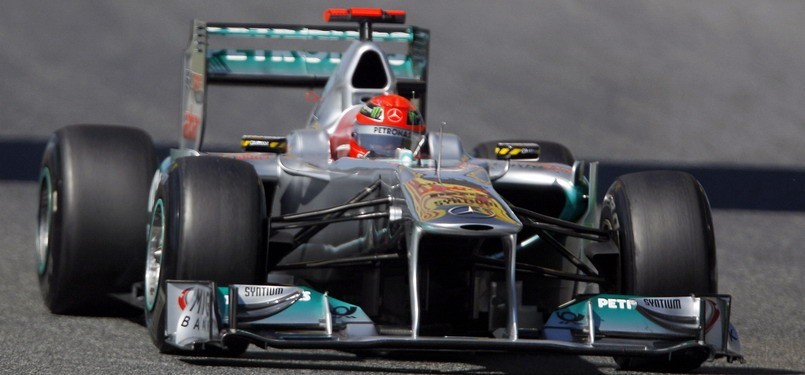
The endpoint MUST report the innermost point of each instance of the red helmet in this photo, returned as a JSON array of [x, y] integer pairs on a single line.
[[384, 124]]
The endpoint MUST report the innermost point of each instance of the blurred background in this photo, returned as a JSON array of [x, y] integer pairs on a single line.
[[711, 87]]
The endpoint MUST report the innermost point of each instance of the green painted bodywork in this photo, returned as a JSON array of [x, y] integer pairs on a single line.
[[259, 63], [624, 317], [576, 204], [307, 311]]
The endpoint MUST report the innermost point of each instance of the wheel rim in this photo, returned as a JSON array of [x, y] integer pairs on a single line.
[[47, 205], [153, 259]]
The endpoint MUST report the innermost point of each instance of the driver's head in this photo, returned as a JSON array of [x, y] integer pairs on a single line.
[[384, 124]]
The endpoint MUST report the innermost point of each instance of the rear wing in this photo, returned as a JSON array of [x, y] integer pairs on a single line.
[[205, 64]]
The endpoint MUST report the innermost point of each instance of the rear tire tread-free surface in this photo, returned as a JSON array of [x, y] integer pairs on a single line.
[[93, 198]]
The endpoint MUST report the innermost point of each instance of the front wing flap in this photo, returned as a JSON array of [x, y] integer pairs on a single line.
[[656, 321], [201, 313]]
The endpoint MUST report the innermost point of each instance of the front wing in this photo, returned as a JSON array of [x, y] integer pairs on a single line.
[[202, 314]]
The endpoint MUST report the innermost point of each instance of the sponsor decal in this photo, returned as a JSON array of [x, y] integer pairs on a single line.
[[261, 291], [569, 317], [394, 115], [195, 315], [413, 118], [190, 126], [256, 143], [678, 314], [733, 334], [197, 82], [260, 296], [257, 156], [680, 307], [262, 301], [193, 107], [713, 313], [663, 303], [433, 200], [343, 311], [384, 130], [374, 112], [279, 56], [616, 303]]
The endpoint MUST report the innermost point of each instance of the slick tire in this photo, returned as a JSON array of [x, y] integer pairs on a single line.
[[664, 230], [550, 152], [208, 223], [93, 199]]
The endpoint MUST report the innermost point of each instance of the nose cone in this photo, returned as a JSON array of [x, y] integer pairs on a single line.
[[460, 201]]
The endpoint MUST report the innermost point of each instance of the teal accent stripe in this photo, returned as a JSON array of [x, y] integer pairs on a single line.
[[295, 63]]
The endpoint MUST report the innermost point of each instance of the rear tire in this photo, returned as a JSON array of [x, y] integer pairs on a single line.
[[208, 223], [93, 198], [664, 230]]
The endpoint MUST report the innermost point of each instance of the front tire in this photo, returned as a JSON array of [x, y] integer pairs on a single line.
[[664, 230], [93, 198], [208, 223]]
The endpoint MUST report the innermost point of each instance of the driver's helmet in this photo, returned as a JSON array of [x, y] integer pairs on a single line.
[[384, 124]]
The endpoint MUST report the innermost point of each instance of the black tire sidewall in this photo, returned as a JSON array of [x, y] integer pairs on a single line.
[[663, 227], [222, 241], [49, 285], [665, 234], [101, 176], [155, 317]]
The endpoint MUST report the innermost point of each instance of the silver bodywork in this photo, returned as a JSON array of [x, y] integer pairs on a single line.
[[447, 194], [339, 94]]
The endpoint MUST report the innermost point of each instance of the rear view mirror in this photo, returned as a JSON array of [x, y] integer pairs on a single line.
[[517, 150], [259, 143]]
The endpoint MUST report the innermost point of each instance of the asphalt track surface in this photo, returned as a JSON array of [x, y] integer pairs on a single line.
[[713, 87], [759, 264]]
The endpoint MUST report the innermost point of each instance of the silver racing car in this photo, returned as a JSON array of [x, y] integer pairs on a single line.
[[366, 231]]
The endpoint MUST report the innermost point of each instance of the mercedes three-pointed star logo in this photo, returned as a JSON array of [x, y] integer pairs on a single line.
[[394, 114], [471, 212]]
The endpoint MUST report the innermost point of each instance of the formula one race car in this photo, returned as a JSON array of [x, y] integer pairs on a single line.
[[353, 235]]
